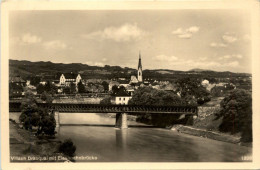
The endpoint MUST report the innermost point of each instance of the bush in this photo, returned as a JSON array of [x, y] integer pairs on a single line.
[[67, 148], [106, 101], [32, 116], [236, 110], [150, 96]]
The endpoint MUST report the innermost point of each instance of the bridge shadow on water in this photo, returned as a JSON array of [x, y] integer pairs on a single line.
[[102, 125]]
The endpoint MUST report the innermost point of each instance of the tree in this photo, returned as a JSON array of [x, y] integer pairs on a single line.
[[68, 148], [35, 81], [66, 90], [81, 88], [48, 87], [114, 89], [236, 114], [32, 116], [46, 97], [40, 89], [29, 116], [150, 96], [106, 101], [105, 86], [72, 88], [118, 90], [191, 87]]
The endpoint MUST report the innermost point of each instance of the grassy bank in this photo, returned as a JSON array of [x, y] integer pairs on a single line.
[[26, 147], [207, 134], [206, 125]]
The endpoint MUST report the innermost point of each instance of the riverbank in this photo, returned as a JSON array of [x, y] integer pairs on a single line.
[[26, 147], [206, 134], [208, 130]]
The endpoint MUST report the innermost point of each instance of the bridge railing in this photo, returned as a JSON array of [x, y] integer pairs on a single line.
[[99, 108]]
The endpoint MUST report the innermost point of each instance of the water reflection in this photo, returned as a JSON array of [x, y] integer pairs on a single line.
[[121, 143]]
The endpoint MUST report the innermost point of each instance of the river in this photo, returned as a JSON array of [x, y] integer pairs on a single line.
[[97, 138]]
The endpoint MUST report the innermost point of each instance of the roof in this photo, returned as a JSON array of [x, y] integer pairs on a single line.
[[122, 93], [133, 80], [17, 79], [123, 81], [70, 75], [139, 63]]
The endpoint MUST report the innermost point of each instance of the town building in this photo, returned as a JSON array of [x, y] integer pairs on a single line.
[[16, 86], [17, 80], [67, 78], [122, 98]]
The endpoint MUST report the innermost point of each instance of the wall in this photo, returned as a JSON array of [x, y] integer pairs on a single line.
[[123, 100]]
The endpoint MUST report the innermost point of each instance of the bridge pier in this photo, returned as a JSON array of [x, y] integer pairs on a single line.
[[190, 120], [121, 121], [57, 118]]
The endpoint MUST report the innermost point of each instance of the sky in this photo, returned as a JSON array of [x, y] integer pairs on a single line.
[[215, 39]]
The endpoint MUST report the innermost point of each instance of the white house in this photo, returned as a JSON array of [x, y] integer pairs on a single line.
[[122, 100], [67, 78]]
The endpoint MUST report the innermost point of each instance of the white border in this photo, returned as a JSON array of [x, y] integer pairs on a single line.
[[251, 5]]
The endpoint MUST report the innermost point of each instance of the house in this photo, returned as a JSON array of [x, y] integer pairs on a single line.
[[67, 78], [16, 86], [133, 80], [17, 80], [122, 98], [111, 84], [124, 83], [130, 90]]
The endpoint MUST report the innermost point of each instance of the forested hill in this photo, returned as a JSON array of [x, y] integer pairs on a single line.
[[27, 69]]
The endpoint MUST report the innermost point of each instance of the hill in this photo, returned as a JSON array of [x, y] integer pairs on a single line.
[[27, 69]]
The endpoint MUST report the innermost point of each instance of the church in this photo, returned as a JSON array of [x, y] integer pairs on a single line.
[[139, 79]]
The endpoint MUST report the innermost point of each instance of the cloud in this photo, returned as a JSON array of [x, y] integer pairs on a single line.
[[24, 39], [126, 32], [178, 31], [207, 64], [55, 44], [233, 64], [186, 33], [100, 64], [165, 58], [30, 39], [201, 62], [229, 38], [193, 29], [238, 56], [214, 44]]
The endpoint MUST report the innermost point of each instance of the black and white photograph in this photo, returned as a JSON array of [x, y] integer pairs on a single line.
[[111, 85]]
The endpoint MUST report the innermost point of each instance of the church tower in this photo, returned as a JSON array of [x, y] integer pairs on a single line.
[[139, 70]]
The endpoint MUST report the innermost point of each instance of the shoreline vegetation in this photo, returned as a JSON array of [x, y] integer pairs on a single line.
[[26, 147], [198, 131]]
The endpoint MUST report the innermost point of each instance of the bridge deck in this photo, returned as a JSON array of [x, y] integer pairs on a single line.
[[97, 108]]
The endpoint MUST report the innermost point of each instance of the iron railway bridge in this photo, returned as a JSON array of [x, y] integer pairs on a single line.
[[120, 110]]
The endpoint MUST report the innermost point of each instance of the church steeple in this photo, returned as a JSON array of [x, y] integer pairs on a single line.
[[139, 69], [140, 62]]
